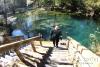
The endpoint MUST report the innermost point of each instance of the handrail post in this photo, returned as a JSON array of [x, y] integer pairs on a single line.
[[40, 39], [33, 47], [19, 54], [68, 43]]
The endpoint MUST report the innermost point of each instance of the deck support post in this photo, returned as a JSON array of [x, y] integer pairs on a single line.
[[33, 47], [41, 41], [68, 43], [19, 54]]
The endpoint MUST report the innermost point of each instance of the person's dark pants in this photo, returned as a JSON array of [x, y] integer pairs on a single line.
[[55, 42]]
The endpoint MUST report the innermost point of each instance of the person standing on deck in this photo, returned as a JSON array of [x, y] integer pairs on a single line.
[[56, 35]]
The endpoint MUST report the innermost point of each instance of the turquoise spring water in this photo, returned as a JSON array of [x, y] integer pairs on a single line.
[[79, 29]]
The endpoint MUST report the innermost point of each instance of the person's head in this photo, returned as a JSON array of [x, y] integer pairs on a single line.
[[56, 27]]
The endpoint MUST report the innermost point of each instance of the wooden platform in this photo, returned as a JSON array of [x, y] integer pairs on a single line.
[[59, 58], [69, 55]]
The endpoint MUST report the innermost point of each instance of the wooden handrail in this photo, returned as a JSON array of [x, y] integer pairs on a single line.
[[76, 52], [80, 53], [16, 44]]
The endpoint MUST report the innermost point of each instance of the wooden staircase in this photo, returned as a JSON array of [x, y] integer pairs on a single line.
[[59, 58], [34, 52]]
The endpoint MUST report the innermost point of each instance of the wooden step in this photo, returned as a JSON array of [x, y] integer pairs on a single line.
[[59, 58]]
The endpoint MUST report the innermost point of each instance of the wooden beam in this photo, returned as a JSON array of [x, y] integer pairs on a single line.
[[19, 54], [9, 46], [41, 41], [33, 47]]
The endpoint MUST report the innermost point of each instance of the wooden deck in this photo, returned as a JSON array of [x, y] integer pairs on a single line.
[[33, 52]]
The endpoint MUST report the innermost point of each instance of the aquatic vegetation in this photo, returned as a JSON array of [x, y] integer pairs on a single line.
[[94, 43]]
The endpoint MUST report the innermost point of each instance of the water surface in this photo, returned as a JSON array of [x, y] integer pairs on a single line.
[[79, 29]]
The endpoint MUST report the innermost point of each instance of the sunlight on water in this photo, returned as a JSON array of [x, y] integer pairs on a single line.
[[79, 29]]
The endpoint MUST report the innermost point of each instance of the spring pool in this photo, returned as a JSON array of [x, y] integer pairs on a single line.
[[79, 29]]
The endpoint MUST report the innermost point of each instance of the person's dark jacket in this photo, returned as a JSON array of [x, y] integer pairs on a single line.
[[56, 34]]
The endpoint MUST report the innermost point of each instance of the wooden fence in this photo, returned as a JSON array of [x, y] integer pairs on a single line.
[[83, 57], [15, 46]]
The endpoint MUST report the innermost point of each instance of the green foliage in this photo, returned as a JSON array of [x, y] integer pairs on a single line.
[[1, 20], [92, 3]]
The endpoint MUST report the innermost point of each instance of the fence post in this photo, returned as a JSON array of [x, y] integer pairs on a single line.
[[33, 47], [19, 54], [40, 38], [68, 43], [41, 41]]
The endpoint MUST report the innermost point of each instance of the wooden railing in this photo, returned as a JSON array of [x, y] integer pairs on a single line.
[[83, 57], [15, 46]]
